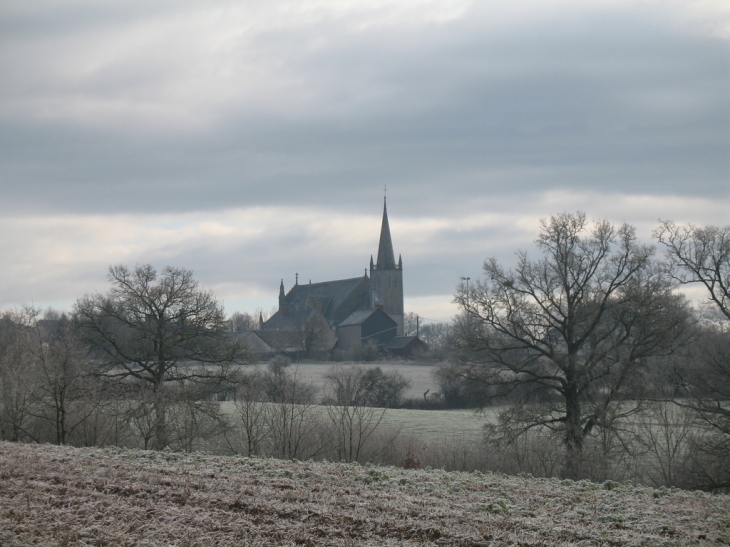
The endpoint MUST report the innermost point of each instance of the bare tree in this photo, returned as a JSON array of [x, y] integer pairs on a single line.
[[702, 256], [352, 424], [699, 255], [665, 431], [193, 421], [292, 418], [568, 335], [249, 424], [410, 324], [243, 322], [67, 390], [344, 385], [436, 335], [18, 386], [316, 336], [159, 331], [381, 389]]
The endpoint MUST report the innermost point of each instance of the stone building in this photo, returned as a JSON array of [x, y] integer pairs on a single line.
[[346, 313]]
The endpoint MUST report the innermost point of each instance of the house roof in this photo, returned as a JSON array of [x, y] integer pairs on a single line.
[[401, 342]]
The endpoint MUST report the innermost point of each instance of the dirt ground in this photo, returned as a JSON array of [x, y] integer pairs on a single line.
[[56, 496]]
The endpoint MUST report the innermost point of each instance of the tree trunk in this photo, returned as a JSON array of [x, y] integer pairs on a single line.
[[573, 430]]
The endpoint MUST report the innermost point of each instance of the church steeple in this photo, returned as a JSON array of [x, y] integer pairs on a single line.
[[386, 279], [386, 257], [282, 296]]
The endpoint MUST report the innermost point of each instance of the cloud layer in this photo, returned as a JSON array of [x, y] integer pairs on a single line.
[[249, 141]]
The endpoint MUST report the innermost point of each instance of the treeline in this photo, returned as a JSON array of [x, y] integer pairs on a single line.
[[58, 396], [587, 361], [52, 390]]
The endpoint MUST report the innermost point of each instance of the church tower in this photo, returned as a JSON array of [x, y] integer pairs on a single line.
[[386, 277]]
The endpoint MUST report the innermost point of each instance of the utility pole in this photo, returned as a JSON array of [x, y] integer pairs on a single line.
[[417, 318], [467, 289]]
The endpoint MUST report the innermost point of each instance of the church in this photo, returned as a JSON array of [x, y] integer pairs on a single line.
[[345, 314]]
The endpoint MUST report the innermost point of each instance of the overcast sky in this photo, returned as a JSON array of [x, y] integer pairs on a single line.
[[248, 141]]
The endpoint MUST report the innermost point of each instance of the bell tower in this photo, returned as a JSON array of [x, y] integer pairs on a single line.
[[386, 277]]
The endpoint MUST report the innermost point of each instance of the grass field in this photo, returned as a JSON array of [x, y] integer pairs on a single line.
[[62, 496], [420, 376], [437, 424], [428, 425]]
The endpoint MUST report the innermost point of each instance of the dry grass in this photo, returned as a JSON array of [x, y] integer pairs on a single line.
[[66, 496]]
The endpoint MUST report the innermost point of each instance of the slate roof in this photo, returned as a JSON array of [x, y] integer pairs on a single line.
[[281, 340], [358, 317], [401, 342], [336, 300]]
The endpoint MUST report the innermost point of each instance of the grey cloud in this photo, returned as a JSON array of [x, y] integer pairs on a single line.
[[577, 107], [451, 116]]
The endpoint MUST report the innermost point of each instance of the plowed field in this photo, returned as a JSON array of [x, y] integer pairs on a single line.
[[65, 496]]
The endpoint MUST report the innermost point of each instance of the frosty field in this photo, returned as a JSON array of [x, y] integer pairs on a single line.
[[432, 424], [420, 376], [428, 425], [52, 495]]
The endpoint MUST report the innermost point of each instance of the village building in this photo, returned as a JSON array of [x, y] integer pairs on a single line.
[[343, 314], [405, 347]]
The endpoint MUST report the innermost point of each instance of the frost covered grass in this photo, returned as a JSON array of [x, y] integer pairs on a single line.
[[420, 376], [436, 424], [52, 495], [429, 425]]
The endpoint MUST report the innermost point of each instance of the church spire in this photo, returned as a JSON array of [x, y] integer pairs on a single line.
[[386, 257], [282, 296]]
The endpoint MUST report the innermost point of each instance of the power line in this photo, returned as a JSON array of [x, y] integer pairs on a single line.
[[433, 320]]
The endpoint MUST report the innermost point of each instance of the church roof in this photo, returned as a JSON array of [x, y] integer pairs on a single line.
[[386, 256], [281, 340], [335, 300], [358, 317]]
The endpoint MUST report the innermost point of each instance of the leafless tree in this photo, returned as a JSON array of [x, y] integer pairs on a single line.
[[437, 336], [410, 324], [456, 391], [316, 336], [194, 421], [67, 391], [699, 255], [352, 423], [344, 385], [159, 332], [294, 427], [242, 322], [702, 256], [666, 433], [381, 389], [568, 333], [18, 386], [249, 426]]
